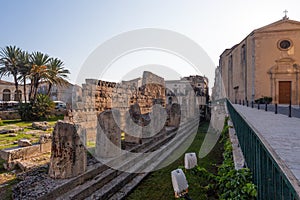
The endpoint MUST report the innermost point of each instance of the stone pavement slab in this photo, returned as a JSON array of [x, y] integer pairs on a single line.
[[281, 133]]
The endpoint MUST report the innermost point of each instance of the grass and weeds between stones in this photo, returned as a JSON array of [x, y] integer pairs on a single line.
[[214, 178], [158, 185], [228, 183], [7, 178], [7, 140]]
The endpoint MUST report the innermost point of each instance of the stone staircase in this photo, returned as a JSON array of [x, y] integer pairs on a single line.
[[102, 182]]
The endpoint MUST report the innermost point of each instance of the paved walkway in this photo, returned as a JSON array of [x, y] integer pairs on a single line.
[[281, 109], [281, 132]]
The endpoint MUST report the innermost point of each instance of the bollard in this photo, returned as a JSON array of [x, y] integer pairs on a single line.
[[290, 109], [276, 108], [235, 101], [258, 106], [243, 102], [247, 103], [252, 104], [266, 107], [240, 102]]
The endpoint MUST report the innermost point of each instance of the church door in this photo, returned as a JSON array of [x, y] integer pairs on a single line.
[[285, 92]]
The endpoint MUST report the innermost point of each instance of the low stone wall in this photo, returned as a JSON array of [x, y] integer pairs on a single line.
[[15, 154]]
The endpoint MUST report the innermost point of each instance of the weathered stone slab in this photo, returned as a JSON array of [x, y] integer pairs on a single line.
[[41, 125], [68, 154], [12, 155], [24, 143], [10, 129], [3, 131]]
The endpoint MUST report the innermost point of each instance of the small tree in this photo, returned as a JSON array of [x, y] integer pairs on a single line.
[[38, 72], [43, 107]]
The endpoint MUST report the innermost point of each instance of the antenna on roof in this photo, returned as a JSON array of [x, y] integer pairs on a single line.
[[285, 14]]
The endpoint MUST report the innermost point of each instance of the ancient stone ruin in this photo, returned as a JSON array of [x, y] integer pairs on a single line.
[[109, 119], [135, 109], [108, 139], [68, 154], [17, 156]]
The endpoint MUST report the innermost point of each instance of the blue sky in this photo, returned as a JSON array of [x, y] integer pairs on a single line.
[[73, 29]]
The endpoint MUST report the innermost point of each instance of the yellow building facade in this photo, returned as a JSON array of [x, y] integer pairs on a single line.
[[265, 63]]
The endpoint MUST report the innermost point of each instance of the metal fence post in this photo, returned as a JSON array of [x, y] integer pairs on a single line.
[[290, 109]]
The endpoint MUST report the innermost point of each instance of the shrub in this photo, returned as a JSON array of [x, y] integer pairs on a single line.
[[232, 183], [25, 111], [264, 100], [229, 183], [41, 109]]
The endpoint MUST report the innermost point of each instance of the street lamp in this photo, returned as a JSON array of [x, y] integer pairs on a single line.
[[190, 160], [180, 184]]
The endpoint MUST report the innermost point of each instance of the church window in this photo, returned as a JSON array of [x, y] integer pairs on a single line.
[[284, 44]]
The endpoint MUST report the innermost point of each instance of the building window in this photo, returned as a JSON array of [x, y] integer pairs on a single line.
[[6, 95], [284, 44], [18, 97], [244, 55]]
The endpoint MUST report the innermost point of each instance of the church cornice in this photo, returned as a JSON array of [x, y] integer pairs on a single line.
[[274, 24], [263, 29]]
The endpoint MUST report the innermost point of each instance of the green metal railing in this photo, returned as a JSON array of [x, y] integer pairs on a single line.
[[272, 183]]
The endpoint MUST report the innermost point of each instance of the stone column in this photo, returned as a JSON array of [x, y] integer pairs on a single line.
[[175, 115], [108, 139], [158, 117], [133, 126], [68, 154]]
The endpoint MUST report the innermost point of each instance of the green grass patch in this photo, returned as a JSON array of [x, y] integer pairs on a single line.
[[20, 123], [16, 122], [158, 184], [7, 141]]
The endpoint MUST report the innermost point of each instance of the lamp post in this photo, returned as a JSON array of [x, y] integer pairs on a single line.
[[190, 160], [180, 184]]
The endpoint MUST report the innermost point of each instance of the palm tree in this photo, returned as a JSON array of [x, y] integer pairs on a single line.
[[24, 69], [38, 72], [56, 74], [9, 61]]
